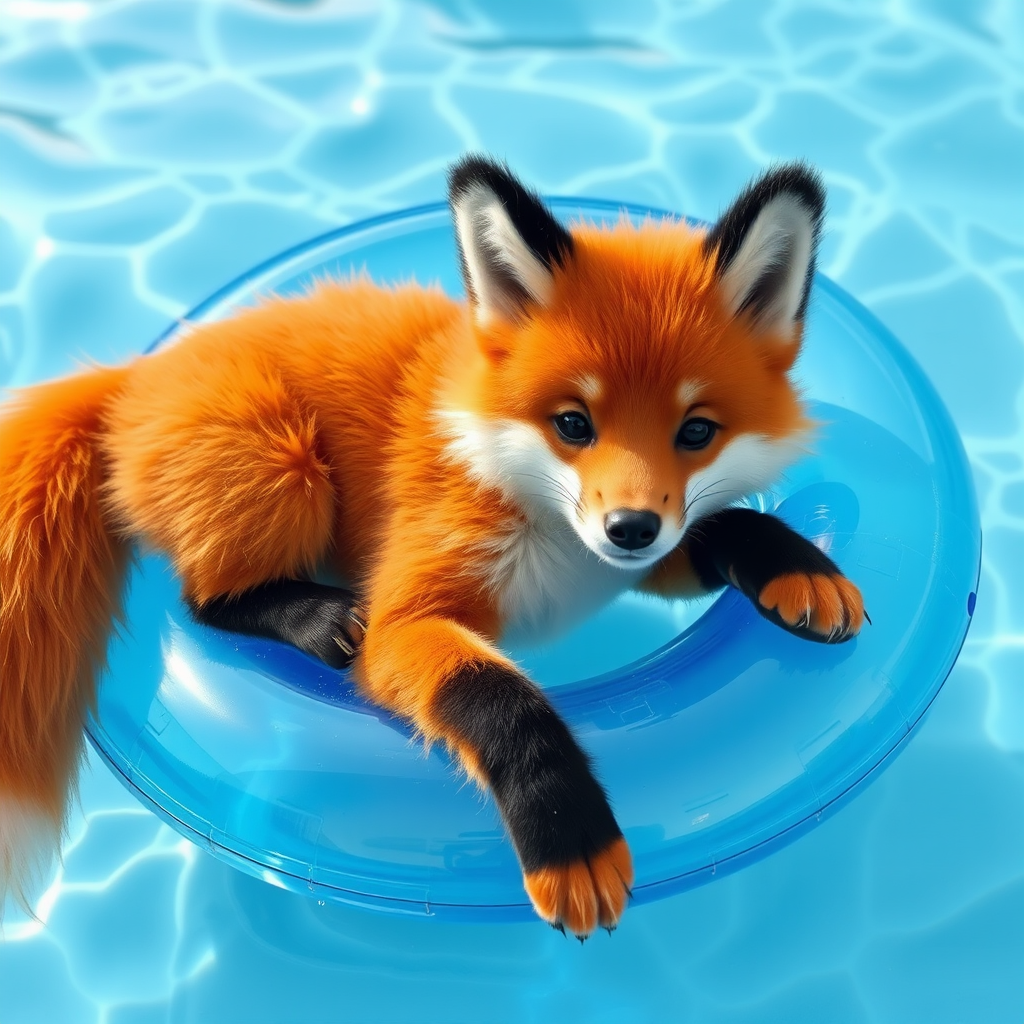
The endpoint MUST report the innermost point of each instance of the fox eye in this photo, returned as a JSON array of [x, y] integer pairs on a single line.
[[574, 427], [696, 434]]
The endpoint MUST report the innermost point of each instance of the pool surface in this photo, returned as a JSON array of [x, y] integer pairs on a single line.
[[151, 151]]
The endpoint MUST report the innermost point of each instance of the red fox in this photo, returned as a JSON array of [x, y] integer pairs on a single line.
[[583, 424]]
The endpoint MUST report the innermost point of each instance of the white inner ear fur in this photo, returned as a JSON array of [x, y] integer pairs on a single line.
[[778, 242], [486, 233]]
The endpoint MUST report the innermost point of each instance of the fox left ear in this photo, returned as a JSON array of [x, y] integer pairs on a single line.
[[509, 242], [765, 246]]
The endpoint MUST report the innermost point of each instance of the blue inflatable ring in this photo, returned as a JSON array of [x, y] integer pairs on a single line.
[[717, 743]]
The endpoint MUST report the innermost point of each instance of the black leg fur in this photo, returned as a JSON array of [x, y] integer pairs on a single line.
[[748, 549], [322, 621], [555, 810]]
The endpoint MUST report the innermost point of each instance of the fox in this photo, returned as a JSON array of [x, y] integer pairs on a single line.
[[586, 421]]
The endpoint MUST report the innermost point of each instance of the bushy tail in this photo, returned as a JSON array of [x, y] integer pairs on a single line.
[[61, 576]]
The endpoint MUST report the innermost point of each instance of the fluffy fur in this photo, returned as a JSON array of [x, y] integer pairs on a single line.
[[411, 443], [60, 584]]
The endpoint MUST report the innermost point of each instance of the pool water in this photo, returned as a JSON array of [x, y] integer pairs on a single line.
[[150, 151]]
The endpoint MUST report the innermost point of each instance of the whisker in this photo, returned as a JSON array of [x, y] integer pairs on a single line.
[[712, 494], [556, 484], [705, 488]]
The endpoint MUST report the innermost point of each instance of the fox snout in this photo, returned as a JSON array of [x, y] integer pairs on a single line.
[[632, 529]]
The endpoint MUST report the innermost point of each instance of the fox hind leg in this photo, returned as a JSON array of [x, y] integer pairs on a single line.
[[239, 493], [325, 622]]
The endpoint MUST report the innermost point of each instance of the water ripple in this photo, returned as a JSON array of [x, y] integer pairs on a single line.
[[151, 149]]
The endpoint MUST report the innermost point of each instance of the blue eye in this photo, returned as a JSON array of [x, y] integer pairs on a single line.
[[696, 434], [574, 427]]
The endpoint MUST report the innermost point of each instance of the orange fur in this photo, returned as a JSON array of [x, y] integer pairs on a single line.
[[60, 570], [584, 894], [638, 307], [226, 449], [673, 576], [311, 430], [829, 605]]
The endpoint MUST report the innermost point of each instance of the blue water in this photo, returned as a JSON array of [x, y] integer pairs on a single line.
[[149, 151]]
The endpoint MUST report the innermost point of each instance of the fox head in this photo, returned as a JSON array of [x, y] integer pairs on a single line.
[[632, 379]]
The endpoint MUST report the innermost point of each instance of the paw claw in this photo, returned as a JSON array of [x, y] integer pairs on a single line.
[[586, 893], [827, 605], [349, 631]]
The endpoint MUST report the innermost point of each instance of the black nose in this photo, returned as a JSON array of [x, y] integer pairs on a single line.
[[627, 528]]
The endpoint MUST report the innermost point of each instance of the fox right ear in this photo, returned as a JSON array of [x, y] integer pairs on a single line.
[[509, 242], [765, 245]]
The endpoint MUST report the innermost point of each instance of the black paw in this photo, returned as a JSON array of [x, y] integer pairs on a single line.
[[323, 621], [790, 580], [330, 628]]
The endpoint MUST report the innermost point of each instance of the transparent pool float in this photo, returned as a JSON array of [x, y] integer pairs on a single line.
[[717, 735]]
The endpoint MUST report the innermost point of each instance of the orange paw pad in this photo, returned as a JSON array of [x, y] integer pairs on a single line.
[[830, 605], [587, 893]]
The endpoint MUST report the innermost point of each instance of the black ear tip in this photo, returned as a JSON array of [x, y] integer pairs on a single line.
[[548, 240], [475, 168], [796, 178]]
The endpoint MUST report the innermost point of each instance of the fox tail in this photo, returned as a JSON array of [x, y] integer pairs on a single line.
[[62, 569]]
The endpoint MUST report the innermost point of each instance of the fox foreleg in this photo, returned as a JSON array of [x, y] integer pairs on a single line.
[[790, 581], [456, 688]]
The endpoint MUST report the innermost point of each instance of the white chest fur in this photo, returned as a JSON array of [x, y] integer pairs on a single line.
[[548, 580], [545, 577]]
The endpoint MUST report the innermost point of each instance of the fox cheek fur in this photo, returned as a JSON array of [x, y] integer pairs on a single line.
[[475, 470]]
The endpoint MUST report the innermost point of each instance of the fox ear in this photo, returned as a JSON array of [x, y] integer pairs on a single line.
[[508, 240], [764, 247]]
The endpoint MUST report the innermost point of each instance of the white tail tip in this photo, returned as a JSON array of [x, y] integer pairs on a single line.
[[29, 841]]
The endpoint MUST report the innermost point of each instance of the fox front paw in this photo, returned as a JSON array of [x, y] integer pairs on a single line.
[[585, 894], [576, 866], [819, 606]]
